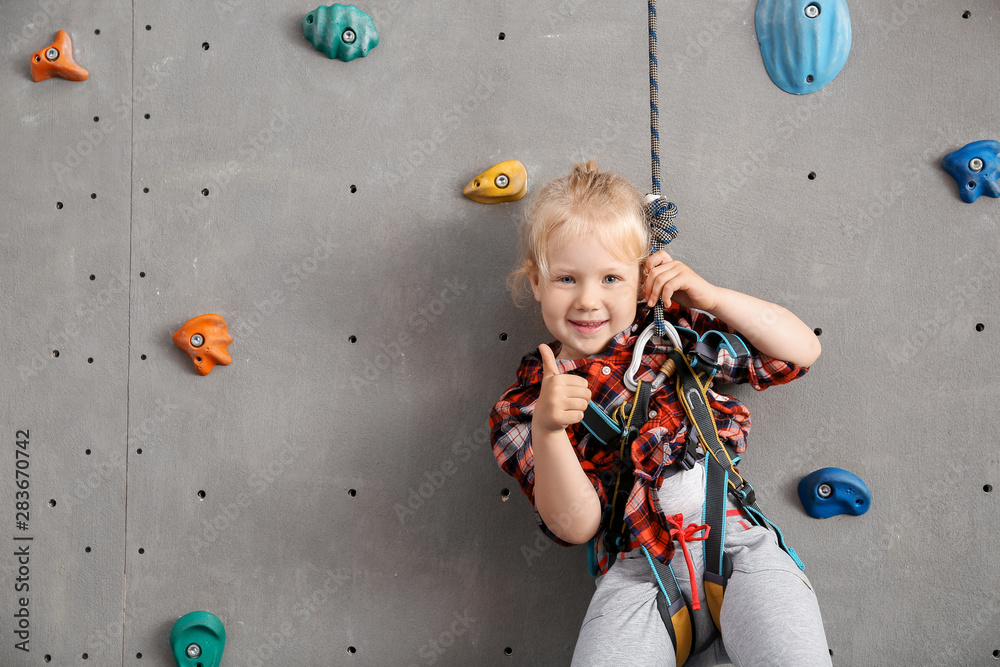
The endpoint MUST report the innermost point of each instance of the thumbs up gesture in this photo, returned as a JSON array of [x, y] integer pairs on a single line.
[[563, 398]]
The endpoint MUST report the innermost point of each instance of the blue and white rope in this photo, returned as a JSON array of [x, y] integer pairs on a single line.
[[660, 213]]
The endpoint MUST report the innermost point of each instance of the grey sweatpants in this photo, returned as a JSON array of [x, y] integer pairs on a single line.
[[769, 615]]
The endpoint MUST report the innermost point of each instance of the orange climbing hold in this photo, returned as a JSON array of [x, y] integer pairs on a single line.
[[57, 60], [205, 338]]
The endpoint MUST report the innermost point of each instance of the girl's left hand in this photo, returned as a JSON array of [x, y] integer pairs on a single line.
[[667, 279]]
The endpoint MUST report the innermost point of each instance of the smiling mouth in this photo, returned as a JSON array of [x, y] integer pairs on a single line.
[[588, 327]]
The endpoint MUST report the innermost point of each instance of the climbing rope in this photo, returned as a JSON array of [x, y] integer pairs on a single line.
[[660, 213]]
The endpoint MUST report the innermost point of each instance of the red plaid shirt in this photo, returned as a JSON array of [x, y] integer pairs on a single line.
[[661, 438]]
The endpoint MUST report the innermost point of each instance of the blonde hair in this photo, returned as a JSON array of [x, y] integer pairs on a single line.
[[587, 201]]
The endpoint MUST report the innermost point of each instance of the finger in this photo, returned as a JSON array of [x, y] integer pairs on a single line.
[[657, 258], [549, 367]]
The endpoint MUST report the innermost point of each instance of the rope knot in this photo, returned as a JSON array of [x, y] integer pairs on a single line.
[[683, 536], [660, 215]]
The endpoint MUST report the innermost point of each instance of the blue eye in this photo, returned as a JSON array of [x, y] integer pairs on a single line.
[[610, 280], [565, 280]]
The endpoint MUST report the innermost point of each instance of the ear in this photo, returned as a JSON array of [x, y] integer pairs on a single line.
[[536, 288]]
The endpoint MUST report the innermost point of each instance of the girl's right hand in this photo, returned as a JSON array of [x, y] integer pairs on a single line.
[[563, 398]]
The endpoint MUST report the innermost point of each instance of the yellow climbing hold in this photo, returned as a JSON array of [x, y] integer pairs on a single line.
[[507, 181]]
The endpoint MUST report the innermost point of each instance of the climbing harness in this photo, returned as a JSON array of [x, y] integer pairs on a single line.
[[693, 374]]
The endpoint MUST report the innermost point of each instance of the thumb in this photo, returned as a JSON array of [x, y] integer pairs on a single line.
[[548, 361]]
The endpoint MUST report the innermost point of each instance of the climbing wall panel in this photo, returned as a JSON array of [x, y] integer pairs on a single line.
[[331, 494]]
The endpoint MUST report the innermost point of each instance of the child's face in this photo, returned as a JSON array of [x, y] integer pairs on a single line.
[[590, 297]]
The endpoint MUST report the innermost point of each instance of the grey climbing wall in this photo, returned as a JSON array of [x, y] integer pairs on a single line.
[[331, 495]]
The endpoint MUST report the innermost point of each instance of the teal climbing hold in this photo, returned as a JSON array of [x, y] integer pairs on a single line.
[[197, 640], [340, 31]]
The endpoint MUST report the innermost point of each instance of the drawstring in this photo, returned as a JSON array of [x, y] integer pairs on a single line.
[[685, 535]]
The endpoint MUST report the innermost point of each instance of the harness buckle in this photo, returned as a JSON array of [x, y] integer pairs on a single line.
[[745, 494]]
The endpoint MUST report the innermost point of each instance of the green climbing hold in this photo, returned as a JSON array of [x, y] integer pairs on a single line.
[[197, 640], [340, 31]]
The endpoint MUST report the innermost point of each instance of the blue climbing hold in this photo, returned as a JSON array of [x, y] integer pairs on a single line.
[[804, 43], [975, 168], [831, 491]]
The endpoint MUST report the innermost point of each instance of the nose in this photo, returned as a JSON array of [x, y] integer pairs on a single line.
[[587, 297]]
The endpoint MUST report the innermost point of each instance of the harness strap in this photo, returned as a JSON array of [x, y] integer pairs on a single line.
[[632, 417], [673, 610], [692, 387]]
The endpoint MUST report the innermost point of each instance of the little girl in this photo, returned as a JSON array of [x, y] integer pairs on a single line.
[[585, 258]]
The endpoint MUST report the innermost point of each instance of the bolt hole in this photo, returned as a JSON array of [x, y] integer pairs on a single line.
[[143, 357], [508, 651], [93, 277], [204, 46], [149, 27], [59, 204], [204, 192], [199, 359], [996, 653], [477, 184], [87, 452], [87, 550], [504, 495], [90, 360], [145, 191], [859, 501], [97, 119], [201, 495], [146, 116], [972, 185], [97, 31], [352, 650], [142, 274], [47, 658], [141, 550], [503, 336], [980, 326], [38, 59], [139, 451], [501, 37], [354, 189], [309, 19], [138, 656], [988, 488], [85, 656], [352, 339], [965, 15], [812, 176], [52, 502], [818, 331], [93, 195], [352, 492], [809, 79], [55, 353]]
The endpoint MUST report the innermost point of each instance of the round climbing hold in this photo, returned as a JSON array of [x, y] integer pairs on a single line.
[[829, 492], [198, 636], [340, 31]]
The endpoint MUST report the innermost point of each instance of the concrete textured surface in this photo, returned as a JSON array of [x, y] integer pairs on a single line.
[[331, 495]]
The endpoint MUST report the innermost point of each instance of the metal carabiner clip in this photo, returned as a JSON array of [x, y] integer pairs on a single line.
[[640, 346]]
